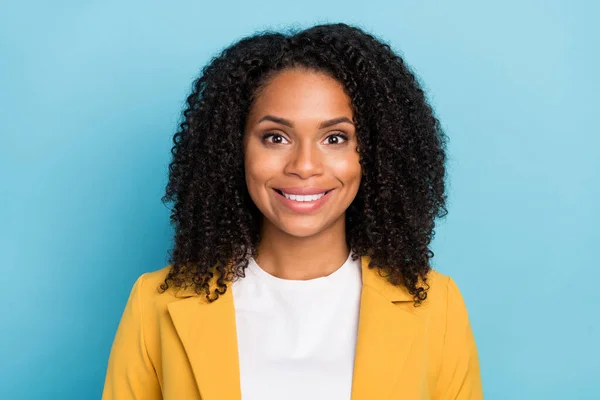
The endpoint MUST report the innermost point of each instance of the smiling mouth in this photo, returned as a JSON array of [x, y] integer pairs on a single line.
[[303, 198]]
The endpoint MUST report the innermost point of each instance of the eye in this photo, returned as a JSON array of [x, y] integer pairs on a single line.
[[277, 138], [337, 140]]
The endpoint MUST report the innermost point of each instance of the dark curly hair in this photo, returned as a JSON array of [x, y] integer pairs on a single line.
[[400, 142]]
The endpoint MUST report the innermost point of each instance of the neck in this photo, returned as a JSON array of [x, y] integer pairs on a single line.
[[301, 258]]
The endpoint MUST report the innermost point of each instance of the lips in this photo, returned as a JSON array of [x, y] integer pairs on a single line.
[[283, 193], [302, 191], [303, 206]]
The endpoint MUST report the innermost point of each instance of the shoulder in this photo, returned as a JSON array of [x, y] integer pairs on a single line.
[[440, 286], [452, 348], [147, 290], [153, 279], [152, 305], [443, 313], [444, 307], [444, 299], [445, 292]]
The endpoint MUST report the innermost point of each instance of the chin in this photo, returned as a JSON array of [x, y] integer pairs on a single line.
[[302, 230], [302, 233]]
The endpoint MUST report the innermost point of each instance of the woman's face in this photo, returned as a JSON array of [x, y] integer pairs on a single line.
[[300, 139]]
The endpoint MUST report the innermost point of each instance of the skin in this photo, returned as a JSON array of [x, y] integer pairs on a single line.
[[295, 245]]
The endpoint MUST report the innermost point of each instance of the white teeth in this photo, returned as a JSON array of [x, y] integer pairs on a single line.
[[297, 197]]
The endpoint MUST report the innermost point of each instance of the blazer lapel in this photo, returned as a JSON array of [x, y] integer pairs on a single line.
[[209, 337], [385, 335]]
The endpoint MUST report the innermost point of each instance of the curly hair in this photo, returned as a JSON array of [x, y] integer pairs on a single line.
[[400, 142]]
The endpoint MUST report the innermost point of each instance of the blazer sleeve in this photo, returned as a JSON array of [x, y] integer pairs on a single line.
[[130, 374], [459, 377]]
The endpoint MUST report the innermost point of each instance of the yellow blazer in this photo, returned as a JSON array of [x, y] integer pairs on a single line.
[[177, 346]]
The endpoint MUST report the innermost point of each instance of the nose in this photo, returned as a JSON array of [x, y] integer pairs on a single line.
[[305, 161]]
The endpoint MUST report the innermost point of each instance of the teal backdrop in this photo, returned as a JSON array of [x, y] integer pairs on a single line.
[[91, 93]]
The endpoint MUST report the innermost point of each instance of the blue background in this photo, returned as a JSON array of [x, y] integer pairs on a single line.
[[90, 95]]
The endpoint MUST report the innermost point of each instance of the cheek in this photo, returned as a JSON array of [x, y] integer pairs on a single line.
[[259, 169], [347, 169]]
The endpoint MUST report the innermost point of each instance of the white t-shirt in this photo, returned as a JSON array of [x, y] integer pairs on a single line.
[[297, 338]]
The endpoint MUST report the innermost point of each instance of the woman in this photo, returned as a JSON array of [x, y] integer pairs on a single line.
[[306, 177]]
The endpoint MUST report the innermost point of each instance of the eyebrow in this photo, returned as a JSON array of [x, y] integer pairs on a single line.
[[324, 124]]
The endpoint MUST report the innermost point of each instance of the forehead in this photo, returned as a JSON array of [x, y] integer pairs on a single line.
[[301, 94]]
